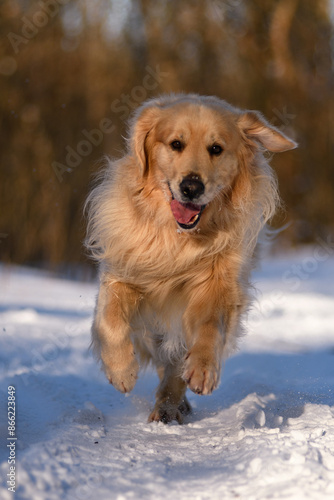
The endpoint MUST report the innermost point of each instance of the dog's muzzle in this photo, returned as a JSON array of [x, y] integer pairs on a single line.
[[186, 212]]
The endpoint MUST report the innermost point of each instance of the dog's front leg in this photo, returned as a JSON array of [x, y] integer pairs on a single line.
[[203, 361], [116, 304]]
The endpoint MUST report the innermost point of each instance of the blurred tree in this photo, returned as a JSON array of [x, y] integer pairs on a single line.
[[72, 71]]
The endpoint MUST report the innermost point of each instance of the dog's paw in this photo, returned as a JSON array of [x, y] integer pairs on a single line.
[[166, 413], [122, 377], [201, 373]]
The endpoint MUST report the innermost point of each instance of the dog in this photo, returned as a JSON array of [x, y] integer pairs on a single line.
[[174, 226]]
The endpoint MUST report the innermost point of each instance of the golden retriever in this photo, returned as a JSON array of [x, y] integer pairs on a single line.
[[174, 225]]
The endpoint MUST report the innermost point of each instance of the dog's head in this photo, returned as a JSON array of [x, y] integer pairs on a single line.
[[191, 146]]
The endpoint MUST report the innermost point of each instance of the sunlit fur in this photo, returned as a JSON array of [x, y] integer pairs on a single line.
[[179, 295]]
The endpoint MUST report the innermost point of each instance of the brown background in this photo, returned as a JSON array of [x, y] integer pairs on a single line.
[[72, 71]]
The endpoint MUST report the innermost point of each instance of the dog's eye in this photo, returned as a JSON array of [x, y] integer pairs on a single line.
[[215, 150], [176, 145]]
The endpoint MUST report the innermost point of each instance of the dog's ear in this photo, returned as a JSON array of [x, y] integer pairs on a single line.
[[255, 127], [141, 134]]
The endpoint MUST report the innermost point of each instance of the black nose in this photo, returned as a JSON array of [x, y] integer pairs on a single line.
[[192, 187]]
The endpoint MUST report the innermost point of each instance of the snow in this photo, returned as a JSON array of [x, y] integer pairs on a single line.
[[267, 432]]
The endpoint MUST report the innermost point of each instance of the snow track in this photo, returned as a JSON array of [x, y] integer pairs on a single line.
[[267, 432]]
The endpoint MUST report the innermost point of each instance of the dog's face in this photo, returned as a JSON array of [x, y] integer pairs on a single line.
[[191, 146], [195, 155]]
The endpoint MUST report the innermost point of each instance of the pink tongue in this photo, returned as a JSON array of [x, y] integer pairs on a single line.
[[184, 212]]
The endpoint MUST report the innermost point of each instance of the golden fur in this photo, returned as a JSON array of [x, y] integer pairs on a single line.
[[171, 293]]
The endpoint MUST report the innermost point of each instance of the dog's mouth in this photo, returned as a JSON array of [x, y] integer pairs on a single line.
[[187, 215]]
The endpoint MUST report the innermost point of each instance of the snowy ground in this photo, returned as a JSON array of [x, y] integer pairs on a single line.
[[267, 432]]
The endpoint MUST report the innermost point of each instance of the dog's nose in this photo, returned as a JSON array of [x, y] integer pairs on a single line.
[[192, 187]]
